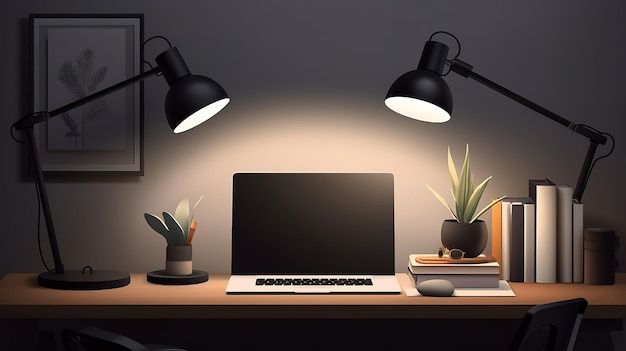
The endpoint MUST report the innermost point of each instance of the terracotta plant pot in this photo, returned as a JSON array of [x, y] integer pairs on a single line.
[[468, 237]]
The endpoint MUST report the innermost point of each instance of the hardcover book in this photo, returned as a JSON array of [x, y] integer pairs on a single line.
[[544, 195], [529, 243], [577, 242], [517, 241], [461, 280], [416, 267], [565, 269], [461, 275], [512, 237]]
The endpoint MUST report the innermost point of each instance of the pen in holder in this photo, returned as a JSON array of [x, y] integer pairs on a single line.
[[178, 231]]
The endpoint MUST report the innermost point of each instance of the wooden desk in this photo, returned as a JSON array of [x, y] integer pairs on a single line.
[[190, 315], [21, 297]]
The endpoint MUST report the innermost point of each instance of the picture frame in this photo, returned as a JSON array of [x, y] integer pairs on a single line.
[[72, 56]]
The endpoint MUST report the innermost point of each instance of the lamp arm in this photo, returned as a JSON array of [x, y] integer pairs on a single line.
[[35, 118], [595, 138], [27, 123], [584, 172]]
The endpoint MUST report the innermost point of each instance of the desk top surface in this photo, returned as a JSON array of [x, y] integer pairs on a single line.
[[22, 297]]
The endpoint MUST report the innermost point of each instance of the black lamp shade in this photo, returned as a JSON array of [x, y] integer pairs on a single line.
[[192, 99], [422, 94]]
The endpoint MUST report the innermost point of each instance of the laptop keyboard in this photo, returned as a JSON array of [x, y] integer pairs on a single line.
[[313, 281]]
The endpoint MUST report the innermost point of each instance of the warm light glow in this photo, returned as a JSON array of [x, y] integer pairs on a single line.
[[201, 115], [417, 109]]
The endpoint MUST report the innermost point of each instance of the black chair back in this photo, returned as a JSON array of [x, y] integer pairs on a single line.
[[550, 327]]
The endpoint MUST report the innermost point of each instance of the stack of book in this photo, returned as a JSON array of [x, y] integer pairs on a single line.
[[538, 238], [461, 275]]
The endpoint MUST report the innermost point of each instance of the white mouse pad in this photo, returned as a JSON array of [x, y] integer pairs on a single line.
[[503, 290]]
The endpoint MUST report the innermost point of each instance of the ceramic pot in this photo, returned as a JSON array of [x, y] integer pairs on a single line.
[[178, 260], [468, 237]]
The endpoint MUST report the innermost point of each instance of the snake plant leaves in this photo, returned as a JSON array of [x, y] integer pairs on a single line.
[[454, 179], [465, 187], [466, 197], [479, 213], [443, 201]]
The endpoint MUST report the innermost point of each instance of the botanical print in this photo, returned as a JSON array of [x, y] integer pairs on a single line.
[[82, 61], [81, 78], [74, 57]]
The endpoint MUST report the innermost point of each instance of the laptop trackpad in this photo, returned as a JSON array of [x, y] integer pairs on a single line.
[[312, 291]]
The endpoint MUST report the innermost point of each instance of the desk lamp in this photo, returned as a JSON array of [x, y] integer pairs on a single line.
[[191, 100], [423, 95]]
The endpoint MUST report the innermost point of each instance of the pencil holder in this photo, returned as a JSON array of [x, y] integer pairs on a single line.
[[600, 246], [178, 260]]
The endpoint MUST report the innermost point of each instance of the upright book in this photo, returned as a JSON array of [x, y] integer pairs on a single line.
[[565, 200], [517, 239], [512, 238], [577, 242], [529, 243], [543, 192]]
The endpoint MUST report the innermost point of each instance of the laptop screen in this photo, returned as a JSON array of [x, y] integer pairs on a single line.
[[313, 223]]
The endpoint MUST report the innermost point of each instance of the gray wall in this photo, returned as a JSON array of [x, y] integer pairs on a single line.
[[307, 81]]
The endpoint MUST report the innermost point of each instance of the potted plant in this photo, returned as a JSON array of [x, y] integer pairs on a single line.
[[465, 232], [178, 231]]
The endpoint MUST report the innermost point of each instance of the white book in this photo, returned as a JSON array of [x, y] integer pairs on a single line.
[[577, 242], [461, 280], [564, 253], [529, 243], [546, 233]]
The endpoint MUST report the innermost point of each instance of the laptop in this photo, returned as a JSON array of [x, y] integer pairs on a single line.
[[313, 233]]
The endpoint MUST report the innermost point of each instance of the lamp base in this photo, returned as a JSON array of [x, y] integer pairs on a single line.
[[85, 279]]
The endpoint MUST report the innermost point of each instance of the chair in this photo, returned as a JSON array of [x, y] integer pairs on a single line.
[[85, 337], [550, 327]]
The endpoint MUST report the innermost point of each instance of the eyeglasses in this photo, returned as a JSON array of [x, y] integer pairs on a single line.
[[455, 254]]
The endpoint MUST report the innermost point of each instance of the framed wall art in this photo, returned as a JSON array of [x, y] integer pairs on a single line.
[[73, 56]]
